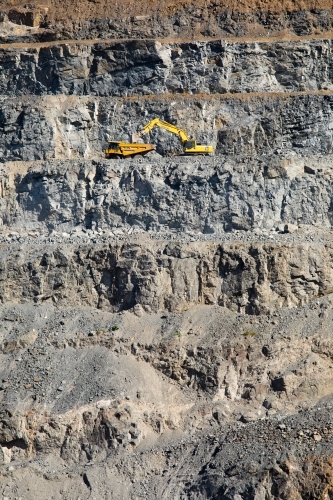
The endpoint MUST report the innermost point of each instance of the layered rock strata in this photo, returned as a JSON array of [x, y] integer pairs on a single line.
[[105, 19], [135, 67], [165, 323], [37, 128], [248, 278], [211, 195]]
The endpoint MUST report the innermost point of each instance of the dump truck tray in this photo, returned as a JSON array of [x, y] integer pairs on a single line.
[[118, 149]]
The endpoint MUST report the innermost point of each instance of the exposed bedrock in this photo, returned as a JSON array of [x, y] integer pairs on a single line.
[[151, 67], [250, 278], [89, 20], [205, 195], [166, 321], [106, 398], [33, 128]]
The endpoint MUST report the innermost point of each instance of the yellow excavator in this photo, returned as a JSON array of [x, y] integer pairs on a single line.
[[190, 146], [119, 149]]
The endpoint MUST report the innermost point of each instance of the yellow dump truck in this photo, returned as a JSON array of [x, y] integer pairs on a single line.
[[119, 149]]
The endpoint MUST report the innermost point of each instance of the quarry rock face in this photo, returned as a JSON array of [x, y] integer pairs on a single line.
[[148, 67], [210, 195], [166, 321], [248, 278], [189, 19], [52, 127]]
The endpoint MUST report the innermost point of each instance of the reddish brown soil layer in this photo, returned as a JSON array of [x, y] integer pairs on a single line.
[[98, 9]]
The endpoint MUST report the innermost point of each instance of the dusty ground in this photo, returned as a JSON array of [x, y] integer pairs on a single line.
[[59, 10], [98, 405], [186, 19]]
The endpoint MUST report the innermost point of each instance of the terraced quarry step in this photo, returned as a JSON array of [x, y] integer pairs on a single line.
[[134, 67], [55, 127], [199, 196], [166, 322]]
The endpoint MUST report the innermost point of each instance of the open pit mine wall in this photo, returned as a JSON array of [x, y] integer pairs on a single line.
[[139, 67], [201, 196], [69, 99], [249, 278], [209, 195], [40, 128]]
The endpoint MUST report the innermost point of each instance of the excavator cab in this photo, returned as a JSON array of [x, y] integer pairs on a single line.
[[191, 147], [190, 144]]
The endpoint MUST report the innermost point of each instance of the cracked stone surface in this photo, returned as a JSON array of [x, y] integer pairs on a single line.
[[148, 67], [166, 321]]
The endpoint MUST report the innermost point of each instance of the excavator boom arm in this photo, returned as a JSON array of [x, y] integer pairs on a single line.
[[156, 122], [190, 146]]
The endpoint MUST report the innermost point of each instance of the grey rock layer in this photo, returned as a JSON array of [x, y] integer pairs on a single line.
[[152, 67], [250, 278], [205, 195], [48, 127]]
